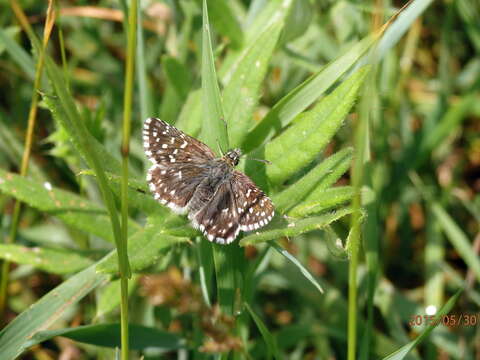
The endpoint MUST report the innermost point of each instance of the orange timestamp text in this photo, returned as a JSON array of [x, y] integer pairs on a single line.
[[451, 320]]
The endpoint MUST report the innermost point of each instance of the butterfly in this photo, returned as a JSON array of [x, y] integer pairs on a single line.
[[187, 177]]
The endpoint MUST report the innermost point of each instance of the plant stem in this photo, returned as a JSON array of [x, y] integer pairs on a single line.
[[127, 114], [32, 116]]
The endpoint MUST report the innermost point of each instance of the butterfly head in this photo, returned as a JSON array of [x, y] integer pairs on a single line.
[[232, 157]]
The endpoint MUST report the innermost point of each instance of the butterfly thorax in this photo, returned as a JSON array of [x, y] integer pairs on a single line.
[[232, 157]]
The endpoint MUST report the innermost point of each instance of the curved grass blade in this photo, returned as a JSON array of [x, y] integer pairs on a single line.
[[280, 227], [272, 349], [298, 264], [15, 336], [55, 261], [108, 335]]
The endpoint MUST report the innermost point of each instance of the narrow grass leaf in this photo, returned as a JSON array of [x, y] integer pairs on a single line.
[[304, 95], [15, 337], [270, 341], [298, 264], [317, 180], [280, 228], [214, 129], [55, 261], [144, 249], [68, 207], [404, 350], [458, 239], [108, 335], [328, 198], [300, 144]]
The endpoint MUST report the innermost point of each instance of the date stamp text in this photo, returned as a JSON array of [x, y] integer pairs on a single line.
[[451, 320]]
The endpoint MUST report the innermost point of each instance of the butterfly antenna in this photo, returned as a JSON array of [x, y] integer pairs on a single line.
[[261, 160]]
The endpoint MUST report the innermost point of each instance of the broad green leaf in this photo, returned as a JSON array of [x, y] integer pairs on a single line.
[[241, 93], [214, 131], [108, 335], [317, 180], [296, 263], [144, 249], [55, 261], [298, 146], [326, 199], [15, 337], [280, 228], [404, 350], [304, 95], [270, 340], [70, 208]]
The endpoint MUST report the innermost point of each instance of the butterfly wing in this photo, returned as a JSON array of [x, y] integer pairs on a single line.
[[178, 163], [254, 207], [165, 145], [218, 218]]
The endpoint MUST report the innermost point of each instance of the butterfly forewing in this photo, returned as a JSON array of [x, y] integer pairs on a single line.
[[177, 163], [166, 145]]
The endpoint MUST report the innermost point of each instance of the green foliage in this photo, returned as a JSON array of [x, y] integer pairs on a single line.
[[281, 80]]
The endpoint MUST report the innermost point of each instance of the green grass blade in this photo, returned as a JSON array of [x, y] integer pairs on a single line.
[[214, 131], [458, 239], [304, 95], [15, 336], [108, 335], [241, 93], [81, 135], [270, 341], [314, 183], [298, 264], [55, 261], [404, 350], [279, 228], [329, 198]]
